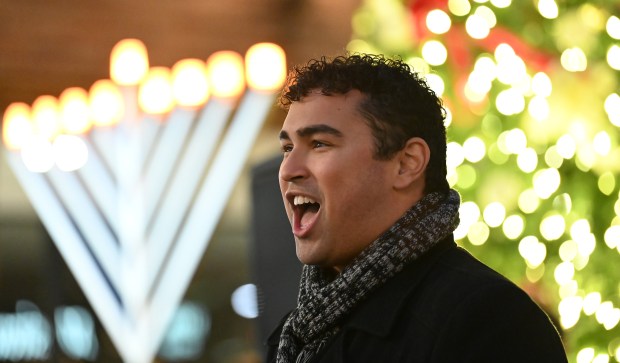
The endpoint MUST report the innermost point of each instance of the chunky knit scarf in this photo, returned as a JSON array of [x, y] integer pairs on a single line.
[[323, 303]]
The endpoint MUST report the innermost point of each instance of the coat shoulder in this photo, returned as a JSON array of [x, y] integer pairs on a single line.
[[450, 307]]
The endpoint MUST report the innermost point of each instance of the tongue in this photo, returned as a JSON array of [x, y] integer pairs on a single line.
[[309, 214]]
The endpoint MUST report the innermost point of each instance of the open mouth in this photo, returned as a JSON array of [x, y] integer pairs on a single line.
[[306, 210]]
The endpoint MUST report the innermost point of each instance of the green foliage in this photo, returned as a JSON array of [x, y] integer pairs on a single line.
[[550, 156]]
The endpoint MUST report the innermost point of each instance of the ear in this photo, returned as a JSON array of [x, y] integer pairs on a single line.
[[412, 162]]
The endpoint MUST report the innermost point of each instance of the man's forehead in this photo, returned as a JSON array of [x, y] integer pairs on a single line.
[[321, 113], [317, 103]]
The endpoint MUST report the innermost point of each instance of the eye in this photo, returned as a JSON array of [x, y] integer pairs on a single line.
[[316, 144], [286, 148]]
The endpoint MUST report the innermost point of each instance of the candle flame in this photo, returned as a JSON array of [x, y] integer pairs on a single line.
[[189, 82], [155, 94], [225, 74], [265, 67], [46, 116], [106, 103], [129, 62], [74, 111], [16, 125]]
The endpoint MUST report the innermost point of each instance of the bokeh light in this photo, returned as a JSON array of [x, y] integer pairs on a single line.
[[536, 83], [434, 52], [438, 22], [155, 95]]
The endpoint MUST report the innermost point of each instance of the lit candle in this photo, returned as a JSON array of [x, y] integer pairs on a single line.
[[38, 153], [128, 67], [45, 116], [169, 216], [268, 60], [16, 126], [20, 138], [73, 117], [131, 154], [107, 107], [50, 117], [156, 97], [16, 130]]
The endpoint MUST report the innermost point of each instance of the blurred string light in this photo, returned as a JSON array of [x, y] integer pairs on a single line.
[[438, 21], [533, 145], [474, 149], [469, 213], [574, 60], [613, 57], [478, 233], [553, 158], [529, 201], [546, 182], [477, 26], [435, 82], [548, 8], [513, 226], [494, 214], [612, 108], [527, 160], [459, 7], [552, 227], [613, 27], [533, 251], [480, 80], [501, 3], [434, 52]]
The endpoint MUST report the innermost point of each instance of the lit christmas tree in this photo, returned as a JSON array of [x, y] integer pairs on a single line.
[[531, 90]]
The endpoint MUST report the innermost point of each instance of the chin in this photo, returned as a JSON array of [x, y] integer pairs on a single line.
[[307, 258]]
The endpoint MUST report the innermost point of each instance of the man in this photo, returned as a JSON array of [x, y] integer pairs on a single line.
[[363, 180]]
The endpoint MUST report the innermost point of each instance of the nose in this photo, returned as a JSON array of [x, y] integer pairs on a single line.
[[293, 167]]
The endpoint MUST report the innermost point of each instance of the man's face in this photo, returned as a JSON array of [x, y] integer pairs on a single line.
[[334, 190]]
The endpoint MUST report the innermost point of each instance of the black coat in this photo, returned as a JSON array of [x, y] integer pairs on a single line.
[[444, 307]]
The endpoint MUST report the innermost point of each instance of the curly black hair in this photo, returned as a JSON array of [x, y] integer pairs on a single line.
[[399, 104]]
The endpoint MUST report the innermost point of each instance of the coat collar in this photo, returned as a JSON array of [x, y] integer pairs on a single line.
[[378, 314], [393, 294]]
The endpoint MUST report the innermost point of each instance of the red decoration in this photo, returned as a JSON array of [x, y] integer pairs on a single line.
[[460, 45]]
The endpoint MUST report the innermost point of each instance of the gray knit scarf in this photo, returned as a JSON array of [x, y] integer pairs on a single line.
[[323, 303]]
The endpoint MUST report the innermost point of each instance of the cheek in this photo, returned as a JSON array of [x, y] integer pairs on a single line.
[[347, 194], [359, 190]]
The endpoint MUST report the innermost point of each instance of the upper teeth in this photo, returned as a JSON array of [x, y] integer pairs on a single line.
[[302, 200]]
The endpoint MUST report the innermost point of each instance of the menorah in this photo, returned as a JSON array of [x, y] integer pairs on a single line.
[[130, 178]]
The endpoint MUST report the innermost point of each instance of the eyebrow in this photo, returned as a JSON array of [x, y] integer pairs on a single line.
[[312, 130]]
